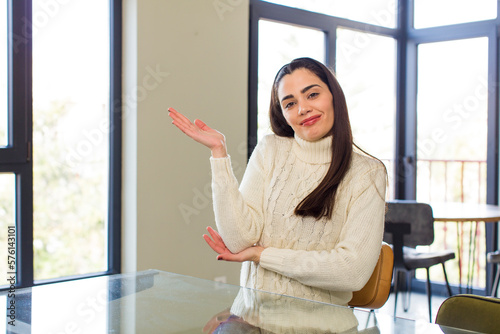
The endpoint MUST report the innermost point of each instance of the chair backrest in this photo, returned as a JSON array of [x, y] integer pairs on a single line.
[[376, 291], [469, 312], [417, 215]]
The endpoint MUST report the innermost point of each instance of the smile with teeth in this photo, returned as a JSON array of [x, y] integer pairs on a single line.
[[310, 121]]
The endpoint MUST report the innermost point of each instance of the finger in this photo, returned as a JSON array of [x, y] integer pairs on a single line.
[[212, 232], [229, 257], [186, 130], [215, 235], [216, 247], [175, 113], [185, 125], [202, 125], [210, 242], [180, 119]]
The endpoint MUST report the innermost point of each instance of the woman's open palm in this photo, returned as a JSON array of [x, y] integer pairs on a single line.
[[199, 131]]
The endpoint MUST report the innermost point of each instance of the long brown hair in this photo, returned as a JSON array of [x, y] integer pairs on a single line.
[[320, 201]]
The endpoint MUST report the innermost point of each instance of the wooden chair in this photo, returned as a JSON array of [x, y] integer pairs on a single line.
[[376, 291], [409, 224]]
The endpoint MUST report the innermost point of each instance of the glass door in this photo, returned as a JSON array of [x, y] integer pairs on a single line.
[[452, 126], [71, 127], [366, 70]]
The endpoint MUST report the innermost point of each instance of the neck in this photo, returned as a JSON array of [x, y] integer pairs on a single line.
[[315, 152]]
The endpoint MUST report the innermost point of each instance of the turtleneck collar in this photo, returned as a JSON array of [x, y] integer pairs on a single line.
[[313, 152]]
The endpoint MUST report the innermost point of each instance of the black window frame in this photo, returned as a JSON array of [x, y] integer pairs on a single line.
[[16, 158], [408, 38]]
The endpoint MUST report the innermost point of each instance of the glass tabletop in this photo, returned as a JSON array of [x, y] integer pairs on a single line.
[[160, 302]]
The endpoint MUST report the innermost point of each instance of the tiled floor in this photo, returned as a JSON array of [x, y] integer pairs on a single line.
[[418, 307]]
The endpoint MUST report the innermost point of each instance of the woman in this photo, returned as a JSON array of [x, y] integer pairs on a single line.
[[308, 217]]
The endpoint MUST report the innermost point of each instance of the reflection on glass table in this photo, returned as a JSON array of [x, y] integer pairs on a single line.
[[160, 302]]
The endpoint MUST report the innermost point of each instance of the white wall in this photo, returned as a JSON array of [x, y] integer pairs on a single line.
[[191, 55]]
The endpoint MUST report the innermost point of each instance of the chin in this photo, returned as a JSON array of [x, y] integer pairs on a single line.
[[316, 137], [312, 138]]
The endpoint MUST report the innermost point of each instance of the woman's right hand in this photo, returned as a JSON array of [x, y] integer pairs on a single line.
[[217, 244], [200, 132]]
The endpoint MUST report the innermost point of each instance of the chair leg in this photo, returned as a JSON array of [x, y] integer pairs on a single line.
[[375, 322], [446, 280], [429, 293], [495, 282], [407, 295], [396, 290]]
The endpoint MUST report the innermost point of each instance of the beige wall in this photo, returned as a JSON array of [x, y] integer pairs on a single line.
[[191, 55]]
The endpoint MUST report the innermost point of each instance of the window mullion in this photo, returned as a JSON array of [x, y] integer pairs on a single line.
[[20, 129], [405, 156], [115, 158]]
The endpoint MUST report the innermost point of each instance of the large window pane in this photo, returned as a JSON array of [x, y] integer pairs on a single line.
[[70, 137], [378, 12], [431, 13], [452, 134], [3, 76], [294, 42], [7, 222], [366, 70]]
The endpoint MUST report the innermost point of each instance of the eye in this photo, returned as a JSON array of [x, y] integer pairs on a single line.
[[313, 95], [289, 105]]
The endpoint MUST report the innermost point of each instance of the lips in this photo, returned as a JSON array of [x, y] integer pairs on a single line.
[[310, 121]]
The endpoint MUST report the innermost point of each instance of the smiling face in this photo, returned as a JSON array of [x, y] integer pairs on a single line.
[[307, 104]]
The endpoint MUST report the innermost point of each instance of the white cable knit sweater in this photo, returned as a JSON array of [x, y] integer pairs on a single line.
[[323, 260]]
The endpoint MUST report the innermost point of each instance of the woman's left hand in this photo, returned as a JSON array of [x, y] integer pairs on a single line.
[[218, 245]]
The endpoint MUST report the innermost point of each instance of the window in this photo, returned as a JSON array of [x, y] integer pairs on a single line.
[[7, 219], [366, 70], [70, 139], [352, 49], [379, 12], [433, 13], [422, 100], [452, 135], [60, 185], [452, 115], [3, 76], [294, 42]]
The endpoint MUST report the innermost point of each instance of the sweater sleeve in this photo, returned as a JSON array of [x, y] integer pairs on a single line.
[[239, 209], [350, 264]]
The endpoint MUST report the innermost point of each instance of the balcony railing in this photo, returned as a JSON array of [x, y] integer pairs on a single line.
[[455, 181]]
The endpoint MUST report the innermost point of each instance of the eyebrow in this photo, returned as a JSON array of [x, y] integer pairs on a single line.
[[305, 89]]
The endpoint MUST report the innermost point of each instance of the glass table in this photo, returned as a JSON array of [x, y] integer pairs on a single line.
[[160, 302]]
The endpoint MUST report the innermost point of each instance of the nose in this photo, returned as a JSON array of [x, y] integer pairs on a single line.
[[304, 109]]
